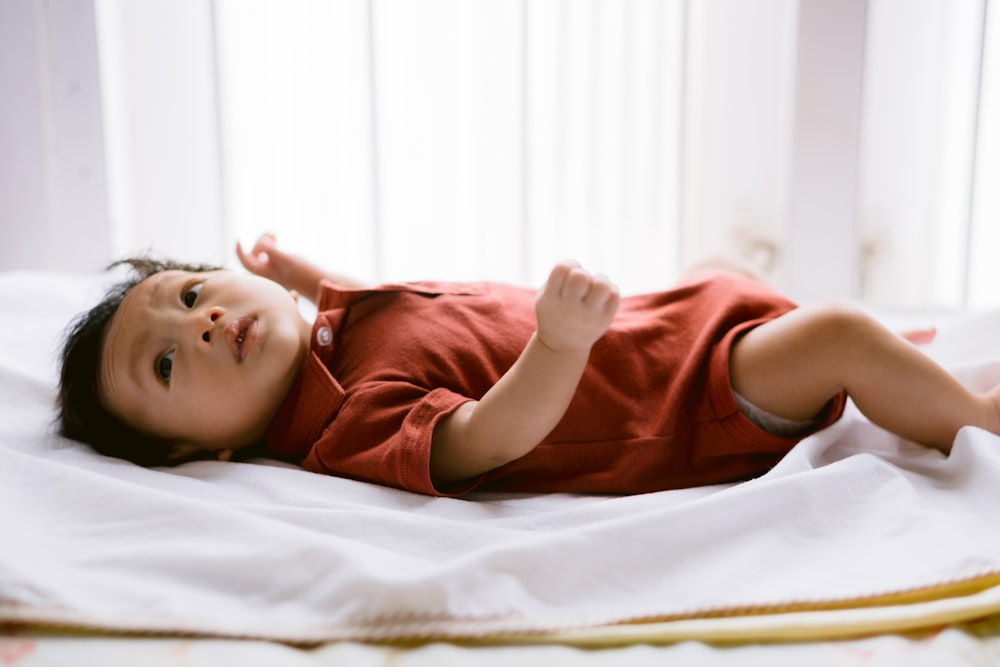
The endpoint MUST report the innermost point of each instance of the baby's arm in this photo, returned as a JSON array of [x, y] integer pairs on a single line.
[[293, 273], [574, 309]]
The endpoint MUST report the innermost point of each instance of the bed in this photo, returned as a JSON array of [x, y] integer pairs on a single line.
[[857, 547]]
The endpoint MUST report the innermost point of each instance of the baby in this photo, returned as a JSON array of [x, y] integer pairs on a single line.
[[446, 388]]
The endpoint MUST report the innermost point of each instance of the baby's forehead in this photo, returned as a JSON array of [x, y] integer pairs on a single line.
[[168, 275], [155, 284], [140, 296], [147, 288]]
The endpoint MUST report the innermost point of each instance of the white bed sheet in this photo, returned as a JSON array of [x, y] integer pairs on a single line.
[[268, 551]]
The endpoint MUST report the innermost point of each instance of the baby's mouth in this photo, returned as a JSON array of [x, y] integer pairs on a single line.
[[241, 336]]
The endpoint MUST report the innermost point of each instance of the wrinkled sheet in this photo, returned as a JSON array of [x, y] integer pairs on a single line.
[[266, 550]]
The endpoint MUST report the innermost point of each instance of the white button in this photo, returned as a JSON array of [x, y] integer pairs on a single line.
[[324, 336]]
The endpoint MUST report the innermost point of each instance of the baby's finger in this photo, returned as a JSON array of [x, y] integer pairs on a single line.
[[265, 245], [254, 261], [613, 301], [246, 259], [578, 284], [600, 286], [601, 291], [557, 277]]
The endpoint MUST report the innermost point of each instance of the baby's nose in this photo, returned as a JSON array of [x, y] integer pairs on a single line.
[[214, 320]]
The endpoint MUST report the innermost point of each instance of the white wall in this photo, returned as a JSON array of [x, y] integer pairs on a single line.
[[53, 201], [821, 249]]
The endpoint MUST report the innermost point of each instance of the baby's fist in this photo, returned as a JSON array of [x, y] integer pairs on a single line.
[[575, 307]]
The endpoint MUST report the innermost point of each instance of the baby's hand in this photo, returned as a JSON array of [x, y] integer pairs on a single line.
[[261, 258], [574, 308], [267, 261]]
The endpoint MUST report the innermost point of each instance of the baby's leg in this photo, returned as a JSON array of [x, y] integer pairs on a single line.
[[794, 364]]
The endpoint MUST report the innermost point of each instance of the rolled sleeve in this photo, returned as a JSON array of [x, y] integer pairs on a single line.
[[383, 434]]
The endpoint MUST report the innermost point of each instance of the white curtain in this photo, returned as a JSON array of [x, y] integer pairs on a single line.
[[983, 275], [922, 114], [458, 139]]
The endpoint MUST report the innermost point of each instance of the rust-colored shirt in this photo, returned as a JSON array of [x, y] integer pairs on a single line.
[[653, 411]]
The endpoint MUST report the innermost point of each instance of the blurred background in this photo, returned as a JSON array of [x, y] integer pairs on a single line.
[[849, 148]]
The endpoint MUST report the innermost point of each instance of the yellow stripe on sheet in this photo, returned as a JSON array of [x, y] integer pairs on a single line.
[[929, 608], [909, 611]]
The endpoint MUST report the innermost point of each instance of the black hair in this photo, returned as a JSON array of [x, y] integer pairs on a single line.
[[83, 416]]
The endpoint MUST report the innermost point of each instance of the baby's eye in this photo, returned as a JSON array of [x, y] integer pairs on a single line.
[[164, 365], [191, 295]]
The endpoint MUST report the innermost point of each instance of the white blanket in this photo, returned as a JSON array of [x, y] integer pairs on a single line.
[[270, 551]]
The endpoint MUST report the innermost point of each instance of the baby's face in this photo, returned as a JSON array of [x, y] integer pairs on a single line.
[[203, 359]]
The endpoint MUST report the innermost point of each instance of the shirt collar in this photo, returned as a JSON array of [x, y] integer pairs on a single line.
[[312, 402]]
